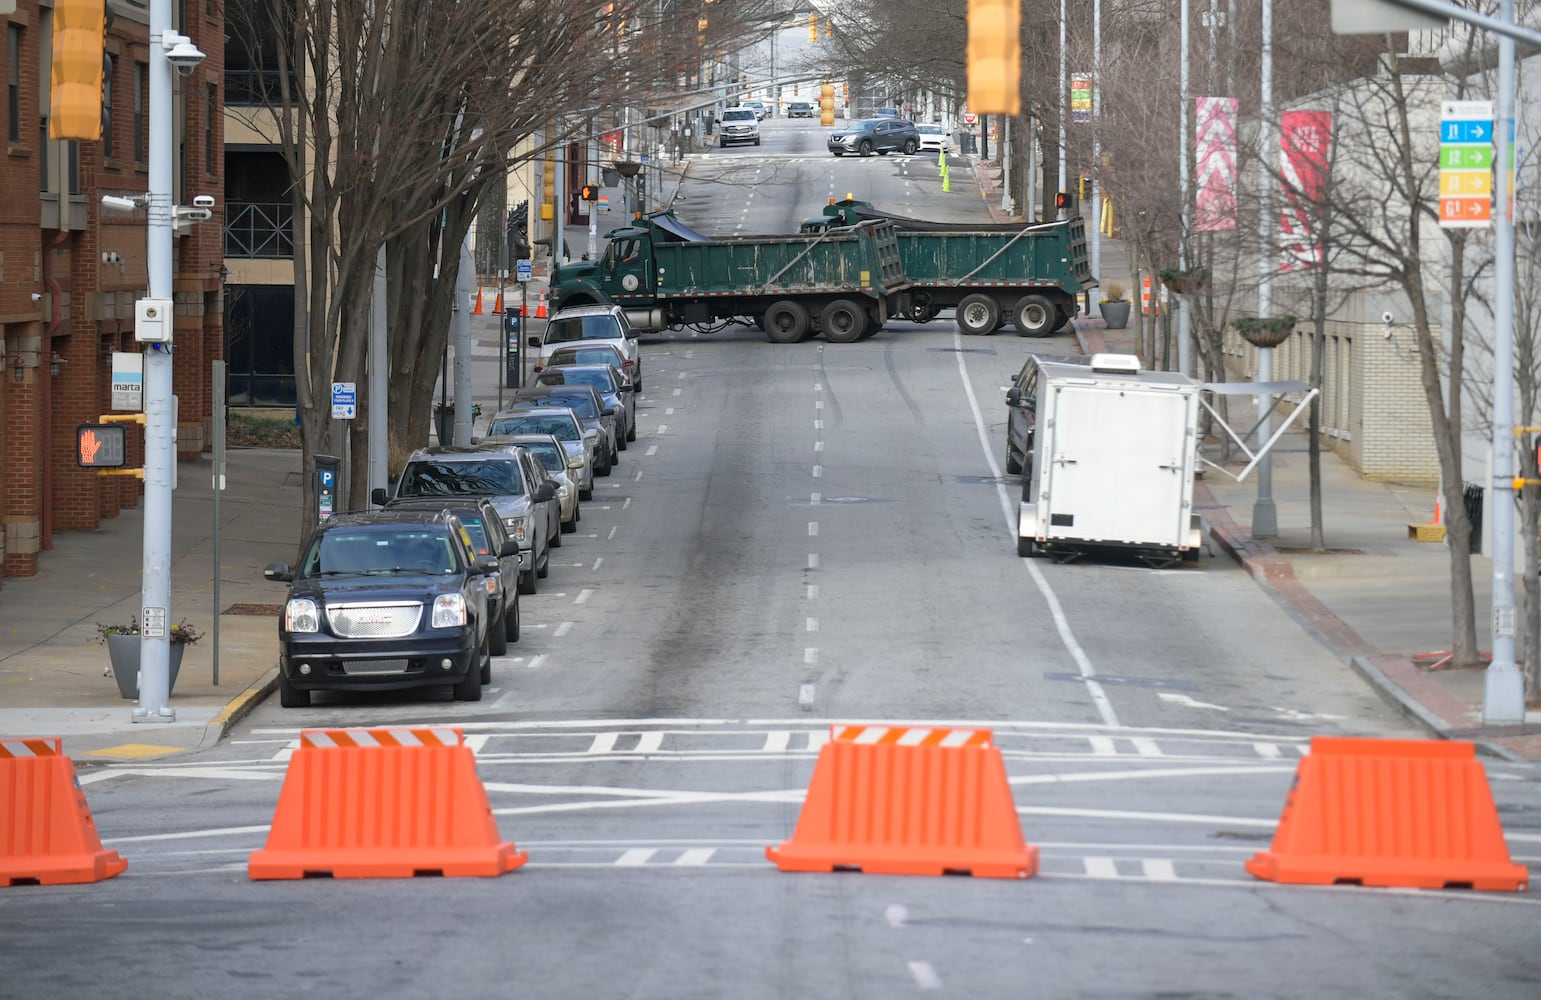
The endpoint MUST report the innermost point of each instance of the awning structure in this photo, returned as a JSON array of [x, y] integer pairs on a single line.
[[1272, 389]]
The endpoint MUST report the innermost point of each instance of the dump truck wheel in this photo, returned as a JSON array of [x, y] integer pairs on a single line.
[[978, 314], [786, 322], [844, 322], [1035, 316]]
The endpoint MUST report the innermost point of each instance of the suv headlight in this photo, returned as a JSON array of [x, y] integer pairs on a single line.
[[302, 615], [518, 528], [449, 611]]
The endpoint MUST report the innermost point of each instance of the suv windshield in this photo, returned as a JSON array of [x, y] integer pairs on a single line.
[[381, 549], [562, 426], [602, 327], [447, 478]]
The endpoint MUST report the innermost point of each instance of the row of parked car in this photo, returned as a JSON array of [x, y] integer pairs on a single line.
[[425, 591]]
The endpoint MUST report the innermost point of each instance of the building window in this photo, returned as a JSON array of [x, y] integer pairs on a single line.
[[210, 109], [13, 83], [72, 165], [141, 93], [110, 63]]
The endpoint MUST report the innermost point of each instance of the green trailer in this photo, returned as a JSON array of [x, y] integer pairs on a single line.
[[1028, 275], [843, 282]]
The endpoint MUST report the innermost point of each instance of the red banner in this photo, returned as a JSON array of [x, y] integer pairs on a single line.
[[1304, 138]]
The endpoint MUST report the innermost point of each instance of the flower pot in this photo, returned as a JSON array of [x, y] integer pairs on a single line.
[[123, 652], [1115, 315], [1265, 332]]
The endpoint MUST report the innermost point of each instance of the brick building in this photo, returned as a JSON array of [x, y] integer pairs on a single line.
[[70, 271]]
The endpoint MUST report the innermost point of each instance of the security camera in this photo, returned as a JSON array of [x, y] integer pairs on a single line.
[[1387, 318], [184, 214], [203, 201], [120, 203], [37, 297], [185, 56]]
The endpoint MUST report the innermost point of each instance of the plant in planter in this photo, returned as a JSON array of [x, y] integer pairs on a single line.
[[1264, 331], [1183, 282], [122, 643], [1114, 306]]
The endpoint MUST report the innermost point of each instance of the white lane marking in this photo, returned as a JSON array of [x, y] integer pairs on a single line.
[[818, 425], [603, 743], [681, 375], [805, 697], [896, 914], [811, 592], [1269, 750], [668, 411], [813, 560], [818, 404], [626, 504], [1159, 870], [1187, 702], [537, 661], [815, 498], [925, 976], [663, 428], [650, 742], [638, 477], [1083, 777], [695, 856], [818, 471], [818, 387], [818, 446], [1146, 747], [1100, 867], [1103, 746], [777, 740], [813, 624], [1094, 687], [613, 529], [562, 630], [817, 739], [652, 449], [597, 563], [584, 595], [811, 654], [813, 529], [636, 856]]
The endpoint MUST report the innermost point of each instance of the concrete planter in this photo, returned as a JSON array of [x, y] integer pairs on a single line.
[[1115, 315], [123, 652]]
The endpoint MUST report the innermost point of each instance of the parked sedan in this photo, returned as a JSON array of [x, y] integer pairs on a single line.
[[484, 527], [875, 135], [384, 601], [561, 467], [589, 407], [588, 354], [614, 391], [561, 423]]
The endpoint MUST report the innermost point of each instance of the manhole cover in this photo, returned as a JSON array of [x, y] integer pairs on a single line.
[[255, 610]]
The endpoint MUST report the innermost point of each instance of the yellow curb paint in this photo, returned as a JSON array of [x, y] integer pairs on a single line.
[[133, 750], [234, 708]]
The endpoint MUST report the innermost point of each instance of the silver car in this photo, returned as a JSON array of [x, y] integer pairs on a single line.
[[561, 467], [559, 422]]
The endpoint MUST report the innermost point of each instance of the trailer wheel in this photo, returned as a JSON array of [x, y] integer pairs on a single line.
[[844, 322], [1034, 316], [786, 322], [978, 314]]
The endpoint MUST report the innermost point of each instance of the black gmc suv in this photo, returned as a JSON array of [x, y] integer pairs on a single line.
[[383, 601]]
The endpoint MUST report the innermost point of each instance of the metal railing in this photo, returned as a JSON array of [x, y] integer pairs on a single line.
[[259, 229]]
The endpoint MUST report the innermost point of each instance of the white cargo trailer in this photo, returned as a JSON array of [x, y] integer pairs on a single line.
[[1113, 461]]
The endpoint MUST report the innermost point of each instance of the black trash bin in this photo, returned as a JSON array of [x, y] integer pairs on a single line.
[[1472, 496]]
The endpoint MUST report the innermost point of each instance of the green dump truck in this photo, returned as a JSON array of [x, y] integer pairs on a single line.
[[844, 282], [1028, 275]]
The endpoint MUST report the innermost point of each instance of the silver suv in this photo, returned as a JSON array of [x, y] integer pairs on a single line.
[[739, 124]]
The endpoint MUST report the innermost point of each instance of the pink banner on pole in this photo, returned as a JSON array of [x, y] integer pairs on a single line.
[[1214, 202], [1304, 138]]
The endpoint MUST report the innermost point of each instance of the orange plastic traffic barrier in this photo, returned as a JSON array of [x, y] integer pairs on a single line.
[[47, 836], [1403, 813], [897, 800], [382, 803], [478, 310]]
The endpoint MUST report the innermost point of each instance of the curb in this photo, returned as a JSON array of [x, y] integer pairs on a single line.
[[238, 708]]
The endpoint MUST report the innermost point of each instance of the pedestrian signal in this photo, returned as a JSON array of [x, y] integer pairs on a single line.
[[100, 446], [590, 192], [1064, 201]]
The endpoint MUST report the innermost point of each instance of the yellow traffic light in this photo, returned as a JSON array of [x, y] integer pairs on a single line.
[[827, 28], [75, 93], [827, 104], [995, 57], [813, 27]]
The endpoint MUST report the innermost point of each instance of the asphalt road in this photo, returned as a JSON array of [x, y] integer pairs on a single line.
[[805, 534]]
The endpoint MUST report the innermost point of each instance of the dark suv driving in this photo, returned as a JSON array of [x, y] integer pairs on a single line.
[[383, 601], [875, 135]]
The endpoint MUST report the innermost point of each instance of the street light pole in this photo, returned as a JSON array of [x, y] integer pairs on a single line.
[[1184, 348], [1265, 515], [155, 621]]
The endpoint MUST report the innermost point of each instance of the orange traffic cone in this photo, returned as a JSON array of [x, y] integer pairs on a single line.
[[896, 800], [1410, 813], [540, 307], [47, 836], [382, 803], [478, 310], [497, 307]]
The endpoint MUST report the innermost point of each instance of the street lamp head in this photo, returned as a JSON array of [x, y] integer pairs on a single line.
[[120, 203]]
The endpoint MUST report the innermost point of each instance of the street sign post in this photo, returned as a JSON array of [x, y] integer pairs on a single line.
[[344, 400], [1465, 164], [524, 269]]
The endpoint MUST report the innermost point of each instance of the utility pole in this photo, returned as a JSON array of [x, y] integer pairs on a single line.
[[153, 324], [1265, 515], [1184, 348]]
